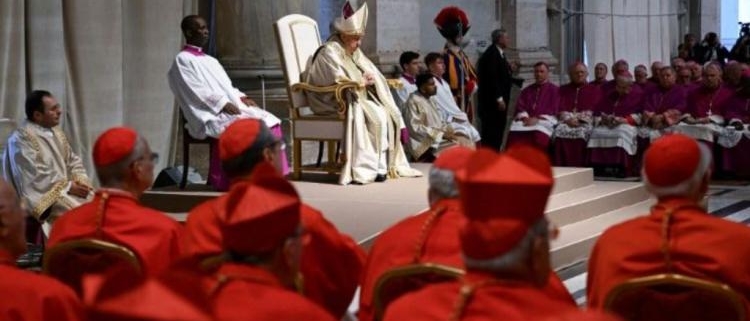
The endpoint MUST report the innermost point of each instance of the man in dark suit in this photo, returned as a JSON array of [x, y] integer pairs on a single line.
[[494, 93]]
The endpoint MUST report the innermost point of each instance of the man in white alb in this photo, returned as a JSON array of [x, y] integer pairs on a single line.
[[444, 100], [207, 97]]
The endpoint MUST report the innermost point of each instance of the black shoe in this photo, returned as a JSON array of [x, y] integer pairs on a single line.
[[380, 178]]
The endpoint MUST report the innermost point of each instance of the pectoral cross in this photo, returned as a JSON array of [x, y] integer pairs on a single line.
[[536, 100]]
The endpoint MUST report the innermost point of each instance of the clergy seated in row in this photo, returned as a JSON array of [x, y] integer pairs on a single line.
[[263, 238], [613, 145], [373, 149], [577, 102], [505, 249], [600, 74], [258, 275], [27, 295], [704, 118], [431, 236], [642, 80], [40, 163], [678, 235], [331, 261], [125, 168], [696, 72], [735, 140], [536, 111], [410, 65], [449, 110], [429, 134], [618, 68], [733, 72], [207, 98], [684, 78], [662, 108]]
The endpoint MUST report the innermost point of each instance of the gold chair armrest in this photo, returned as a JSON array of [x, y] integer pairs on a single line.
[[338, 89], [395, 83]]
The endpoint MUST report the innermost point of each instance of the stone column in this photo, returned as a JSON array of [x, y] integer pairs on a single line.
[[528, 26], [710, 18], [392, 28]]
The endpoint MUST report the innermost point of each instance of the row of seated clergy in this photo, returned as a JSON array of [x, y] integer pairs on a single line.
[[263, 237], [464, 228], [505, 253], [260, 203], [611, 128], [429, 134], [431, 236], [331, 261], [436, 112]]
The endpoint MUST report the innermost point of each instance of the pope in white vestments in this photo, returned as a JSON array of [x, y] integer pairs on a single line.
[[373, 149], [207, 98], [38, 160]]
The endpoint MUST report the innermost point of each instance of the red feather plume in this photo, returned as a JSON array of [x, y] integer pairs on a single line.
[[451, 14]]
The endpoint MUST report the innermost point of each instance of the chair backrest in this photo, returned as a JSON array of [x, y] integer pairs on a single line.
[[674, 297], [70, 261], [399, 281], [298, 39]]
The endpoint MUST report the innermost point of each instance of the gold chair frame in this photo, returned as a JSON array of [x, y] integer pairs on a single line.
[[119, 251], [720, 289], [409, 271]]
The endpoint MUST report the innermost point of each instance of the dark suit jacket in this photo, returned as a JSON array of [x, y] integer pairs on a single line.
[[494, 78], [494, 82]]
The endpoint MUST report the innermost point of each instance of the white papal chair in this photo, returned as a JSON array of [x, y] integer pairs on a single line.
[[298, 38]]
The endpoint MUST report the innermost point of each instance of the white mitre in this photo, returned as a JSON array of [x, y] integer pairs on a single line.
[[351, 23]]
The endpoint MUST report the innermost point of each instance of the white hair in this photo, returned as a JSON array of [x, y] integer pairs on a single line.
[[687, 186], [443, 182], [517, 254]]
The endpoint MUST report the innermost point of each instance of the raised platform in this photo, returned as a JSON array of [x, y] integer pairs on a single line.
[[580, 206]]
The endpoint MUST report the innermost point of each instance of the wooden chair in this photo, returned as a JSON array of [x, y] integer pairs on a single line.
[[70, 261], [298, 38], [674, 297], [399, 281], [187, 140]]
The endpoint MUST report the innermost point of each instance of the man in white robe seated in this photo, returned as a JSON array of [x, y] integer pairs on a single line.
[[208, 99], [40, 163], [445, 102], [373, 149], [428, 133], [409, 62]]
